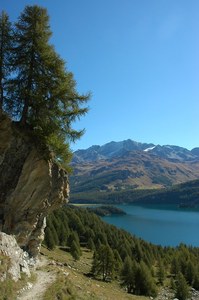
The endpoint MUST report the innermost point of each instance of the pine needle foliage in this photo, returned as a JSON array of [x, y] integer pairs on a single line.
[[39, 92], [6, 41]]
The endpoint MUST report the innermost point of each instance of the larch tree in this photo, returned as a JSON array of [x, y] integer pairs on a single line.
[[49, 240], [6, 41], [182, 289], [144, 282], [42, 93], [160, 272], [128, 274], [103, 262], [75, 250]]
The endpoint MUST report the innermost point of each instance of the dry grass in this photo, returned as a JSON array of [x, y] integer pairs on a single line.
[[8, 287], [79, 286]]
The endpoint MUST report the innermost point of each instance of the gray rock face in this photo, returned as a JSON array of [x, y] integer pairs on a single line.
[[30, 187], [18, 259], [168, 294]]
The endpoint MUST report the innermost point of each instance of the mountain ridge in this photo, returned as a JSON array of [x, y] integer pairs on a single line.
[[114, 149], [126, 165]]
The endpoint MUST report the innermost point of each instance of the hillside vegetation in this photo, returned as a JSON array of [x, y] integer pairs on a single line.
[[139, 267], [185, 193], [72, 283]]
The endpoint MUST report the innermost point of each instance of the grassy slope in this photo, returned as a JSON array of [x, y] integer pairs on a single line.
[[133, 170], [77, 285]]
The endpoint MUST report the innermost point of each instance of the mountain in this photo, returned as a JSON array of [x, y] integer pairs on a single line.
[[115, 149], [128, 165], [195, 151], [112, 149]]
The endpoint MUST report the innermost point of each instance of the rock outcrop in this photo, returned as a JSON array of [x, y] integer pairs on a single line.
[[18, 260], [30, 187]]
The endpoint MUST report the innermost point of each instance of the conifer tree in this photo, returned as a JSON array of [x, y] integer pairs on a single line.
[[128, 274], [42, 94], [118, 261], [144, 283], [175, 265], [103, 262], [161, 272], [173, 283], [196, 280], [137, 251], [91, 244], [53, 231], [49, 240], [63, 235], [54, 234], [6, 43], [73, 236], [190, 272], [30, 62], [75, 250], [182, 290]]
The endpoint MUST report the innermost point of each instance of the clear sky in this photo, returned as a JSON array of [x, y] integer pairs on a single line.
[[139, 59]]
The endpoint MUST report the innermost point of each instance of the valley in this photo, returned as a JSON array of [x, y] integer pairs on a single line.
[[114, 221]]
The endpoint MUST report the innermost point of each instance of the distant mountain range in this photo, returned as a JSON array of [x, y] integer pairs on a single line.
[[126, 165], [118, 149]]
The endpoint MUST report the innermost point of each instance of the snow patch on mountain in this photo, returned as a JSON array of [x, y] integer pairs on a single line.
[[149, 149]]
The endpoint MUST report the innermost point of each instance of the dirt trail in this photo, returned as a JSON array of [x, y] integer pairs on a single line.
[[43, 280]]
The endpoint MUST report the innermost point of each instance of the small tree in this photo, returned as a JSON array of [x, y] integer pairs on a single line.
[[49, 240], [91, 244], [63, 234], [73, 236], [75, 250], [103, 262], [137, 251], [196, 280], [128, 274], [190, 272], [144, 282], [182, 289], [175, 265], [161, 273], [118, 261]]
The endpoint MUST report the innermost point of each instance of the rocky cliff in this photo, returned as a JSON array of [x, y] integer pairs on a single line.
[[17, 260], [30, 186]]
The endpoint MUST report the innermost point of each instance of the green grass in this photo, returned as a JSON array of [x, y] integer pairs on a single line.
[[61, 289], [77, 285]]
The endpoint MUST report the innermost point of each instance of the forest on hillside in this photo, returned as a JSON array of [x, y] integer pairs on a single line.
[[140, 267], [186, 193]]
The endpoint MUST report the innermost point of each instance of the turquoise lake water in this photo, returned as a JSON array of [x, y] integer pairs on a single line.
[[160, 225]]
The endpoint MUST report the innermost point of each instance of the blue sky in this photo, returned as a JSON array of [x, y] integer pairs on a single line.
[[140, 61]]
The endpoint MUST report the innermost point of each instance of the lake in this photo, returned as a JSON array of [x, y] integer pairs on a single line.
[[160, 225]]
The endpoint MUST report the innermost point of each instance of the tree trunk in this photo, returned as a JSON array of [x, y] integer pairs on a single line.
[[24, 112]]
